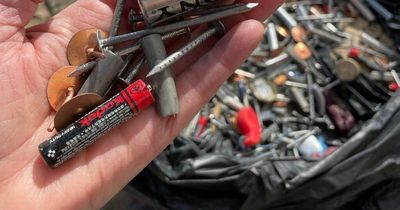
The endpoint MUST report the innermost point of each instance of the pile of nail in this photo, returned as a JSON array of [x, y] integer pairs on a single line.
[[87, 95], [102, 62], [323, 69]]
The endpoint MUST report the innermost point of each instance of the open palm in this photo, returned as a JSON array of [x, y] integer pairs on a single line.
[[29, 57]]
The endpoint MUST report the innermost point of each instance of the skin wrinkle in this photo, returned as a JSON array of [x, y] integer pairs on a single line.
[[96, 174], [18, 172], [9, 32], [13, 112], [10, 17], [41, 43], [16, 105], [57, 28], [7, 96], [147, 134], [114, 165], [29, 76], [12, 86], [51, 65], [101, 16], [10, 49], [97, 16], [42, 79]]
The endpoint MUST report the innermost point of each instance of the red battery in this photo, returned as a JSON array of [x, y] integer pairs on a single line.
[[85, 131]]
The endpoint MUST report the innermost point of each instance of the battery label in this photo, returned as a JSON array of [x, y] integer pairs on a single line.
[[85, 131]]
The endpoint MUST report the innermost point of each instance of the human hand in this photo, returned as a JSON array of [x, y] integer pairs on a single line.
[[89, 180]]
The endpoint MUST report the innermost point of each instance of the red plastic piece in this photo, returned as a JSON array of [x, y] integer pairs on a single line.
[[202, 123], [354, 53], [393, 86], [248, 124], [140, 94]]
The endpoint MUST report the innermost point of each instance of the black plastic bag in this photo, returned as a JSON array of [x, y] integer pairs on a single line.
[[368, 158]]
